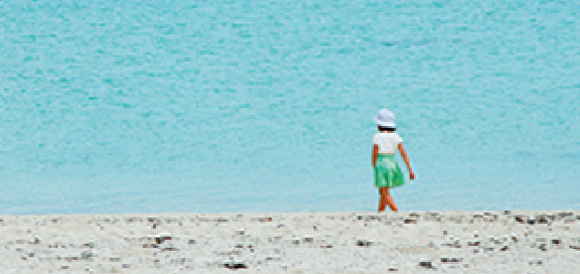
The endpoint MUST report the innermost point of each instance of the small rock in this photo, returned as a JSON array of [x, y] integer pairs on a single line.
[[410, 221], [542, 247], [455, 244], [543, 220], [126, 265], [426, 264], [169, 249], [575, 247], [505, 248], [235, 265], [565, 214], [87, 255], [165, 236], [451, 260], [520, 219], [476, 243], [391, 269], [273, 259], [308, 239], [363, 243], [556, 241], [191, 242], [153, 220], [264, 219], [35, 240], [162, 238]]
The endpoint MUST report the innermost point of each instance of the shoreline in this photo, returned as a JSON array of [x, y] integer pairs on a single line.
[[516, 241]]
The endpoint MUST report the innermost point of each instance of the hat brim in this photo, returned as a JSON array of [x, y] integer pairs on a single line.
[[384, 123]]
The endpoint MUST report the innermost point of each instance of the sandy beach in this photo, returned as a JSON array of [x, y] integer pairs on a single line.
[[406, 242]]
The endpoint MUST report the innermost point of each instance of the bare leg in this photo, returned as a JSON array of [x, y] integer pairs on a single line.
[[382, 201], [387, 199]]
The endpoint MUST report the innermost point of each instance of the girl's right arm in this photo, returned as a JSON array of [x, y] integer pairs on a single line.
[[375, 155], [406, 159]]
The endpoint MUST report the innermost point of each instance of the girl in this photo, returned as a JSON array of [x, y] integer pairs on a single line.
[[388, 174]]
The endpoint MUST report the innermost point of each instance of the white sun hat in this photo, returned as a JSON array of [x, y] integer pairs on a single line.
[[385, 118]]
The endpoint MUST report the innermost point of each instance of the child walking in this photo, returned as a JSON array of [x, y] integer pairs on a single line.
[[388, 174]]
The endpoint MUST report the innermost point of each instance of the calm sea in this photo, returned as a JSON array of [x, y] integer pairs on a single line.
[[267, 106]]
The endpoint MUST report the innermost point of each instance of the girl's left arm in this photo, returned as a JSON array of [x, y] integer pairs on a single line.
[[406, 159]]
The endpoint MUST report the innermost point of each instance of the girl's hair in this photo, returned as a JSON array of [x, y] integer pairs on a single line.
[[387, 128]]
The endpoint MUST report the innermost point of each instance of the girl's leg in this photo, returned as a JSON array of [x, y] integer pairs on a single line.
[[387, 199], [382, 200]]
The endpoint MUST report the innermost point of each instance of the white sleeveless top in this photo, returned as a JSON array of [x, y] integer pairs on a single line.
[[388, 142]]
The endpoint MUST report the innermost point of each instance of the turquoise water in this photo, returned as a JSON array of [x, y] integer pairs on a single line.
[[263, 106]]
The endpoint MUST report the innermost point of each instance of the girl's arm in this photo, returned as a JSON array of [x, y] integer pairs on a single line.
[[406, 159], [375, 155]]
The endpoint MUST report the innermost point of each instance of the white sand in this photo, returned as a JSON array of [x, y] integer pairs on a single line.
[[408, 242]]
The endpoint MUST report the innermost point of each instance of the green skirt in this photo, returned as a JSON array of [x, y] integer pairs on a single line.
[[387, 172]]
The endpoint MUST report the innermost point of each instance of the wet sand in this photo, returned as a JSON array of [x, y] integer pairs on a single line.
[[358, 242]]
